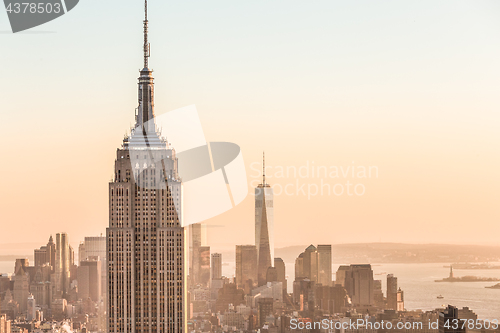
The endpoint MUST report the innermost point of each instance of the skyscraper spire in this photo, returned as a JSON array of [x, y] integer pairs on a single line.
[[145, 113], [147, 48], [264, 168], [263, 184]]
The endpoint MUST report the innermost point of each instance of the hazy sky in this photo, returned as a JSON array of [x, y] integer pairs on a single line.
[[409, 87]]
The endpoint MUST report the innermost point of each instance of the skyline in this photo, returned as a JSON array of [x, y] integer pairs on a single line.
[[334, 172], [436, 161]]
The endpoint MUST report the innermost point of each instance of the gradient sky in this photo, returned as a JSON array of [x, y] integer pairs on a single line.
[[409, 87]]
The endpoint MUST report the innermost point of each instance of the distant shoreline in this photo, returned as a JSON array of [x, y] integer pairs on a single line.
[[496, 286], [468, 279]]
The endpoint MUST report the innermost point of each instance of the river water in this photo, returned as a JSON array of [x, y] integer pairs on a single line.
[[420, 290], [417, 282]]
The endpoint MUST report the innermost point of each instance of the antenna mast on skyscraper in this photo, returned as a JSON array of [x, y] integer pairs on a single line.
[[147, 47], [263, 168]]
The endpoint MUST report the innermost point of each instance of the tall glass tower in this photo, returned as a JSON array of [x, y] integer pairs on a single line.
[[145, 239], [264, 227]]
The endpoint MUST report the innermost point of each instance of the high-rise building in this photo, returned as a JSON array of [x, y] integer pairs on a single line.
[[279, 264], [204, 266], [145, 237], [264, 227], [46, 254], [51, 252], [272, 290], [194, 235], [400, 300], [72, 270], [21, 288], [96, 247], [31, 311], [378, 294], [40, 256], [196, 238], [23, 263], [299, 267], [341, 274], [340, 298], [4, 324], [306, 265], [62, 266], [81, 252], [271, 275], [303, 295], [216, 266], [311, 263], [264, 309], [360, 285], [392, 292], [89, 279], [229, 295], [325, 264], [330, 299], [246, 267], [446, 321], [71, 256], [40, 287]]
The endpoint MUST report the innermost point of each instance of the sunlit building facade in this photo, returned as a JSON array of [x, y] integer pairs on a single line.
[[264, 228], [145, 239]]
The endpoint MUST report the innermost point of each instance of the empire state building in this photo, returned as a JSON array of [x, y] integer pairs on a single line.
[[145, 239]]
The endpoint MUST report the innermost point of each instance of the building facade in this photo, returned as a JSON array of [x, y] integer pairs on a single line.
[[145, 237], [89, 279], [447, 321], [264, 227], [46, 254], [195, 239], [246, 267], [93, 247], [307, 265], [279, 264], [360, 285], [325, 264], [216, 266], [62, 266], [392, 292]]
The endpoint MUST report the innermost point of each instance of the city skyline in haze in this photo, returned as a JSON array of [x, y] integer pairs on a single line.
[[415, 96]]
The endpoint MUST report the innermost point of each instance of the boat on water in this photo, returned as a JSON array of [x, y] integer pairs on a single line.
[[440, 297]]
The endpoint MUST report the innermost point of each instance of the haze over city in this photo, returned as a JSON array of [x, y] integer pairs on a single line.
[[391, 85]]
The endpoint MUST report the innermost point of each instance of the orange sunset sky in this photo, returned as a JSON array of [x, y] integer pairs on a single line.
[[409, 88]]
